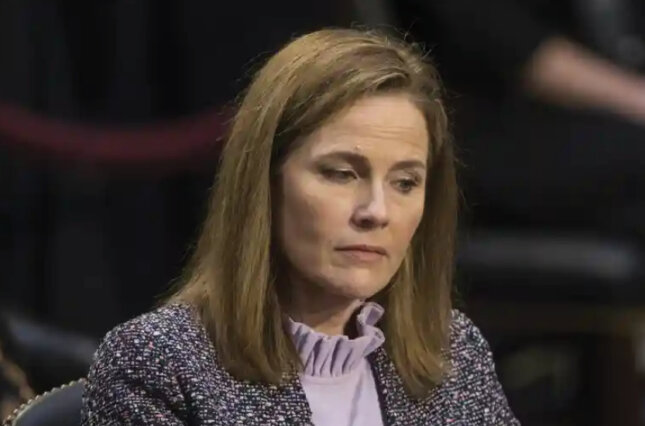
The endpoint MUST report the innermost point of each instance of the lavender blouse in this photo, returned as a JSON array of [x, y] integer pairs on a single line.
[[337, 377]]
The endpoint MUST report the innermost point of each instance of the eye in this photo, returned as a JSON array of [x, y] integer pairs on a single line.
[[339, 175], [405, 185]]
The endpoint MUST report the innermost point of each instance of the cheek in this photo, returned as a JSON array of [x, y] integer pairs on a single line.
[[299, 215], [308, 220], [409, 219]]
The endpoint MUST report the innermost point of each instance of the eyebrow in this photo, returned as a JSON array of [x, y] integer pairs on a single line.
[[360, 160]]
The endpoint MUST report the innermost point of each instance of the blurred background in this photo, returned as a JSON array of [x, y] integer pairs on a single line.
[[112, 116]]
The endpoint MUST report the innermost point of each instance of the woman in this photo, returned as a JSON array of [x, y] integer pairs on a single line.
[[319, 290]]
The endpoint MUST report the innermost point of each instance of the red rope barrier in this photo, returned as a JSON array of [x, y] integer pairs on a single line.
[[180, 141]]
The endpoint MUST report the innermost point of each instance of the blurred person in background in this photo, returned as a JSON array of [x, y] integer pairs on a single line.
[[320, 288], [549, 98]]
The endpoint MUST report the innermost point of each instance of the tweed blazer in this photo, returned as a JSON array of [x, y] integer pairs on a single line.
[[162, 369]]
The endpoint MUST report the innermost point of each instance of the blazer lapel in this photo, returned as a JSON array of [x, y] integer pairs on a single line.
[[398, 408], [266, 405], [294, 402]]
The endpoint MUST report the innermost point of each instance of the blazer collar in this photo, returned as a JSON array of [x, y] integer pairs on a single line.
[[397, 406]]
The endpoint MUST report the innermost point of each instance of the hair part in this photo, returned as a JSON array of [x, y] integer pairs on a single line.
[[232, 278]]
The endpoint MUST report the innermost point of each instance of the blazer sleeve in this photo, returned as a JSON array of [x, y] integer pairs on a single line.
[[131, 382], [477, 370]]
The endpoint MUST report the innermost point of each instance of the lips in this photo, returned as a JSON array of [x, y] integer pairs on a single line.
[[364, 248]]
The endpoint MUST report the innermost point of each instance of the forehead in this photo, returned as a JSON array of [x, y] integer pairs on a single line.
[[389, 126]]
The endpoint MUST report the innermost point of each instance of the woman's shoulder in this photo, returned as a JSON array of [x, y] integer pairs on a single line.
[[464, 333], [167, 323], [143, 366], [162, 334], [473, 377], [467, 343], [469, 349]]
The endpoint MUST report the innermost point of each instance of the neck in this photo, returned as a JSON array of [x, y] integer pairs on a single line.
[[322, 311]]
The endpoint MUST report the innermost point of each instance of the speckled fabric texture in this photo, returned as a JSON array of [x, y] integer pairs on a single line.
[[161, 369]]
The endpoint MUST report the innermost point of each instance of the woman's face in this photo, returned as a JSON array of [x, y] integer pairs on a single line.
[[352, 195]]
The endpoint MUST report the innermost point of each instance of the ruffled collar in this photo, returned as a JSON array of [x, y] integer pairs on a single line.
[[331, 356]]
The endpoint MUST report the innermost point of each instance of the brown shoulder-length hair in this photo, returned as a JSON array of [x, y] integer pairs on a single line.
[[232, 277]]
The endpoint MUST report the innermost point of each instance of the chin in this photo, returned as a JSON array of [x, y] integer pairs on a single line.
[[356, 287]]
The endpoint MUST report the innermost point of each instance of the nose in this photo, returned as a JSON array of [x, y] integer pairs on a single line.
[[371, 209]]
